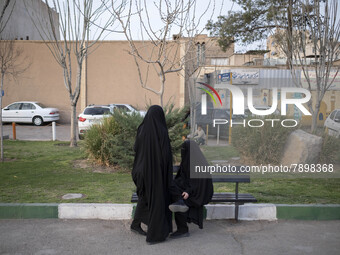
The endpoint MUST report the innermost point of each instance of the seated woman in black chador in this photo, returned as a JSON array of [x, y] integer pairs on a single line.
[[190, 194], [152, 174]]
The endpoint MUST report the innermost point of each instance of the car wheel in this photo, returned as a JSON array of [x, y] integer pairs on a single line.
[[81, 137], [37, 121]]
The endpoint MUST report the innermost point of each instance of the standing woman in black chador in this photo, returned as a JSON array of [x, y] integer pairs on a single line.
[[152, 174], [190, 194]]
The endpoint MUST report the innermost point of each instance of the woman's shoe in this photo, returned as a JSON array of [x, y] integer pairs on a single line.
[[179, 234], [138, 230], [179, 206]]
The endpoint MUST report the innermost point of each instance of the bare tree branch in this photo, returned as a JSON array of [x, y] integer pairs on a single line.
[[319, 30], [158, 49], [75, 19], [12, 64]]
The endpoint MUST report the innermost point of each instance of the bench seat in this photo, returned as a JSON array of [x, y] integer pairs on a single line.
[[224, 197], [220, 197]]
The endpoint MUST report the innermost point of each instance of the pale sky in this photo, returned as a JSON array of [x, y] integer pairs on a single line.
[[221, 8]]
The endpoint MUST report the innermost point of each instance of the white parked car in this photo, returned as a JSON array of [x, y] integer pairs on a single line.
[[128, 108], [29, 112], [332, 123], [92, 114]]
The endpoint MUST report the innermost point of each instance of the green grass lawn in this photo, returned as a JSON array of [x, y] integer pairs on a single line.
[[275, 190], [289, 191], [42, 172], [219, 152]]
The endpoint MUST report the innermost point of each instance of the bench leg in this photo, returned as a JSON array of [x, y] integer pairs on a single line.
[[236, 211], [236, 204]]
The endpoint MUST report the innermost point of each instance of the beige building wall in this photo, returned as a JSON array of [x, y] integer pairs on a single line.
[[42, 81], [239, 59], [276, 51], [205, 51], [111, 78], [201, 52]]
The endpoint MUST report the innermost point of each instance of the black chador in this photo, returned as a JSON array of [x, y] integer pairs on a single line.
[[200, 190], [152, 174]]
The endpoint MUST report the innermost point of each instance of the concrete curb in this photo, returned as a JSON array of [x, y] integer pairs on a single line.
[[95, 211], [247, 212]]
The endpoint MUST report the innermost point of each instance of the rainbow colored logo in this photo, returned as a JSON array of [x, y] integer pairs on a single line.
[[207, 91]]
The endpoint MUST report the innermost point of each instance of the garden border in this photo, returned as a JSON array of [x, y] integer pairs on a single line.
[[247, 211]]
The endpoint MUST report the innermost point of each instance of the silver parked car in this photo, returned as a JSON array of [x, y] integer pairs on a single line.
[[129, 109], [29, 112], [332, 123]]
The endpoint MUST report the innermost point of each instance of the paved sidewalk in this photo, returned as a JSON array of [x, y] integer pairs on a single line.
[[55, 236]]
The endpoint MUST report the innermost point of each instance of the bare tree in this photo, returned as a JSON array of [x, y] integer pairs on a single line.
[[76, 18], [314, 45], [10, 56], [166, 35], [12, 64]]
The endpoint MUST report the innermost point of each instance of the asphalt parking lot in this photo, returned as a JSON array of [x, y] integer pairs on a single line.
[[30, 132], [38, 133], [220, 237]]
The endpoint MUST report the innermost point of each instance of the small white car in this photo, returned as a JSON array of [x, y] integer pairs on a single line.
[[92, 114], [129, 109], [29, 112], [332, 123]]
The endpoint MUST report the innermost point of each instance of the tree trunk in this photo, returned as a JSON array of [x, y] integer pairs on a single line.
[[73, 140], [315, 116], [192, 128], [74, 100], [161, 100], [290, 35], [161, 92], [1, 127]]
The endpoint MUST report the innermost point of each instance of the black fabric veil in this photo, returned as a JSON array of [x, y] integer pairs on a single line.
[[152, 174], [200, 190]]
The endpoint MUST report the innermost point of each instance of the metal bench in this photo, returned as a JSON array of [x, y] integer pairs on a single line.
[[238, 199]]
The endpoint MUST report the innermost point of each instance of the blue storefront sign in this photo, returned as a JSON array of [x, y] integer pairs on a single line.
[[224, 77]]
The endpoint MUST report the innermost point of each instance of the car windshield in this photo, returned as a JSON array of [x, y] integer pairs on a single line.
[[122, 108], [97, 111], [133, 108], [41, 105]]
